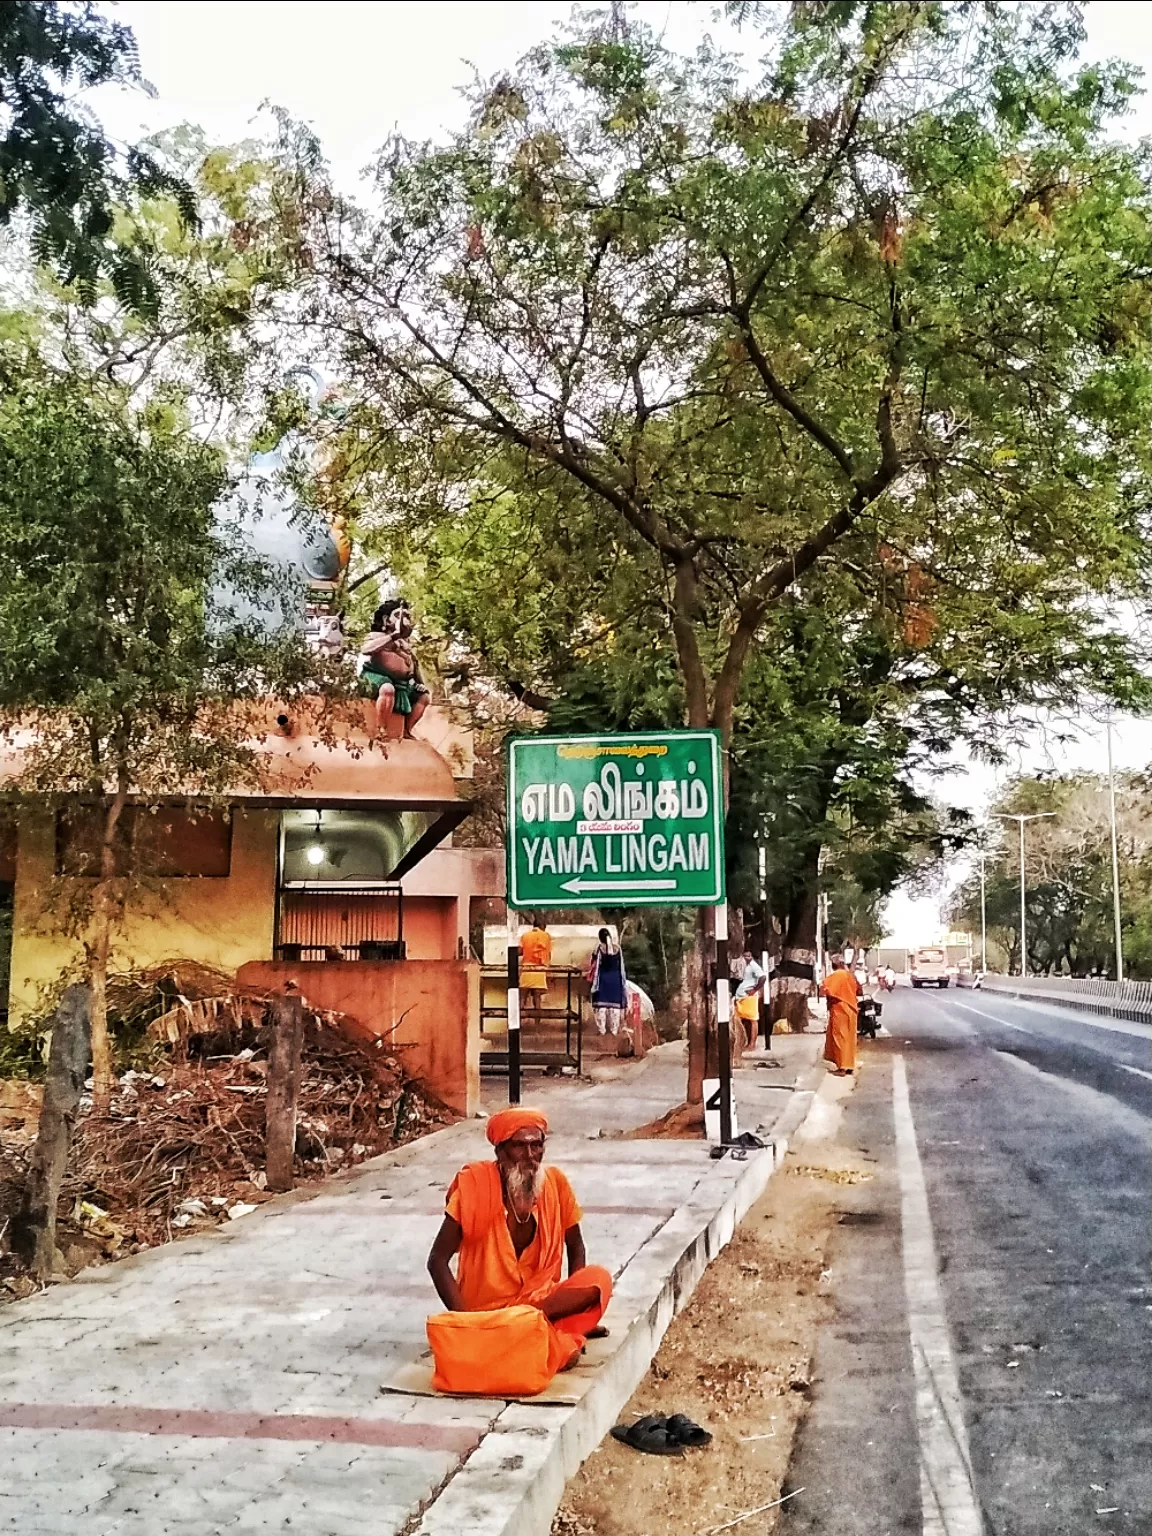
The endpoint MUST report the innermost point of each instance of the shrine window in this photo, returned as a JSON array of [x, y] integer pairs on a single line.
[[166, 842]]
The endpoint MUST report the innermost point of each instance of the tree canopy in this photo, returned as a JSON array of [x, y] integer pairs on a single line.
[[1068, 877], [876, 311], [118, 677], [58, 169]]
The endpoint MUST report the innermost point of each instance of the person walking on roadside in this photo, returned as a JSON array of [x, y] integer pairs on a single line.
[[608, 985], [843, 992]]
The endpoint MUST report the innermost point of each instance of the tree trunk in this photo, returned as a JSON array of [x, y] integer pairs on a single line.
[[34, 1227], [283, 1092], [794, 980], [99, 948]]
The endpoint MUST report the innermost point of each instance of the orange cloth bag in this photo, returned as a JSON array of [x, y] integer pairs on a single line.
[[511, 1352]]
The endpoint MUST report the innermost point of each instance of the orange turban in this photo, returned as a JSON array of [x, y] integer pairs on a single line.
[[506, 1122]]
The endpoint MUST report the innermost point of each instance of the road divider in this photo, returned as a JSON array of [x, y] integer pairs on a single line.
[[1094, 994]]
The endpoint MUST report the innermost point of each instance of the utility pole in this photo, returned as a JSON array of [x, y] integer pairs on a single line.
[[983, 911], [982, 853], [1036, 816], [765, 1027], [1115, 853]]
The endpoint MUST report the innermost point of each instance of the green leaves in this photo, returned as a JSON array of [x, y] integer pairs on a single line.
[[815, 408], [756, 333], [57, 169], [1068, 876], [108, 550]]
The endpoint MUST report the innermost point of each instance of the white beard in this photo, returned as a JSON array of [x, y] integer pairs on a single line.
[[524, 1188]]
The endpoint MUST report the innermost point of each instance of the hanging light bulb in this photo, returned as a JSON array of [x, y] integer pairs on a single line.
[[314, 852]]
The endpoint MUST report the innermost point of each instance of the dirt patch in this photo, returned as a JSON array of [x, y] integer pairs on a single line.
[[737, 1360], [684, 1122]]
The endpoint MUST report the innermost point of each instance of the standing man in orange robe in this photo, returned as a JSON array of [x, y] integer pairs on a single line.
[[843, 993], [535, 958], [511, 1223]]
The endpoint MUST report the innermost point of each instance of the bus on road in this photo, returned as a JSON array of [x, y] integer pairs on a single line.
[[929, 966]]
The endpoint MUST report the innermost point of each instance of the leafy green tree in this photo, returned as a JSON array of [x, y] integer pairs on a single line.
[[217, 289], [743, 335], [58, 170], [859, 685], [1068, 877], [868, 317], [838, 716], [865, 303], [119, 680]]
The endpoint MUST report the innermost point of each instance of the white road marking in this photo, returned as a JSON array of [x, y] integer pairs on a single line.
[[1073, 1016], [1139, 1071], [1093, 1101], [947, 1493], [968, 1008]]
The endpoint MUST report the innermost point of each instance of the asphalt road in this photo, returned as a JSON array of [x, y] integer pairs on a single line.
[[989, 1368]]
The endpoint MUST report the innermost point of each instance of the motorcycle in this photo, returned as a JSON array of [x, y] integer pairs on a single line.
[[868, 1018]]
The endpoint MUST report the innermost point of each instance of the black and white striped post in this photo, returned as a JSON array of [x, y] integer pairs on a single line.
[[723, 1020], [513, 1010]]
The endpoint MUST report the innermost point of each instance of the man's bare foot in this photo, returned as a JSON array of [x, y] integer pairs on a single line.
[[567, 1366], [597, 1333]]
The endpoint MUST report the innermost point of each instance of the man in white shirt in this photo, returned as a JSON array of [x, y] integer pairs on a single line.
[[746, 1002]]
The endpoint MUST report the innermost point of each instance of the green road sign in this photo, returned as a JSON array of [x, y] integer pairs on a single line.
[[634, 820]]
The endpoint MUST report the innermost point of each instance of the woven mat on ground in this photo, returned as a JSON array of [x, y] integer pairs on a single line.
[[568, 1387]]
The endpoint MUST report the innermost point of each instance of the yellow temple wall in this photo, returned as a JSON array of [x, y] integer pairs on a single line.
[[220, 922]]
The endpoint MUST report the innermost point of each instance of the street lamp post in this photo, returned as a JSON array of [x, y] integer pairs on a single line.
[[1115, 854], [1036, 816], [983, 913]]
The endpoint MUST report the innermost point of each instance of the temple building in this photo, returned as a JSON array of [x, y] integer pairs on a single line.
[[338, 871]]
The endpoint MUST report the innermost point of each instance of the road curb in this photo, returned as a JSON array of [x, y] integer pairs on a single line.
[[1075, 1002], [514, 1481]]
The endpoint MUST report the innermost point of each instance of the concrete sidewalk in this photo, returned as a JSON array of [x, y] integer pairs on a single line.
[[231, 1382]]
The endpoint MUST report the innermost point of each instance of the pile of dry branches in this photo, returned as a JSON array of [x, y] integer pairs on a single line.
[[183, 1146]]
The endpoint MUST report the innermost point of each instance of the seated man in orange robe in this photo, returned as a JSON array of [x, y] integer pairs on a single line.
[[843, 993], [511, 1222]]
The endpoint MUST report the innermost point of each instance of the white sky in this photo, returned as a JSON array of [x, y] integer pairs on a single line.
[[358, 69]]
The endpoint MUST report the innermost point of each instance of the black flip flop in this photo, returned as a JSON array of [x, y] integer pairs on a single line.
[[686, 1431], [650, 1435]]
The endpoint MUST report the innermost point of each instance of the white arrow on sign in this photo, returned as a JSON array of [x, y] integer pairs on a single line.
[[577, 887]]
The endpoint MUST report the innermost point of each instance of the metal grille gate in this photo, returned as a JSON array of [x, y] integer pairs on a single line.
[[364, 922]]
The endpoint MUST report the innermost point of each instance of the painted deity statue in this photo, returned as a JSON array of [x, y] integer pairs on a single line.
[[389, 671], [306, 553]]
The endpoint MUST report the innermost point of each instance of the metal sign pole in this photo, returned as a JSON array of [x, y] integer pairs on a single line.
[[513, 1010], [723, 1015]]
